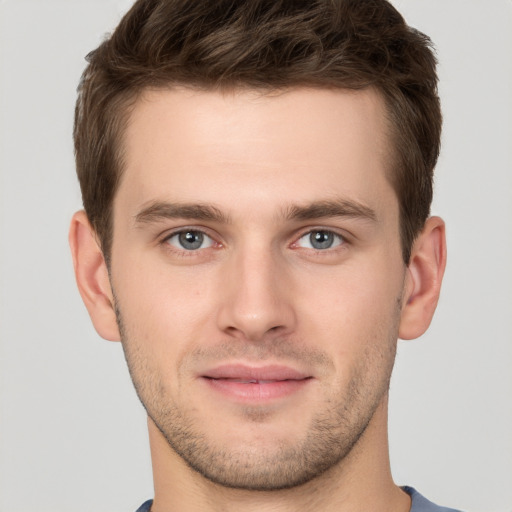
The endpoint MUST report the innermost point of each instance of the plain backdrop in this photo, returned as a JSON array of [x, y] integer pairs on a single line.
[[72, 433]]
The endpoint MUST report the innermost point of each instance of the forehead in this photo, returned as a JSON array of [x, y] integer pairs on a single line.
[[218, 147]]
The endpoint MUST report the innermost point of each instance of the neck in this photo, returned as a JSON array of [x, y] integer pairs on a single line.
[[360, 482]]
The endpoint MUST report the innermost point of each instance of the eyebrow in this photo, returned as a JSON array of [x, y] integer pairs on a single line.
[[158, 211], [330, 208], [161, 210]]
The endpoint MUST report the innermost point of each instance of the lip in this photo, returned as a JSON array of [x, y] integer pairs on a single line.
[[255, 384], [245, 372]]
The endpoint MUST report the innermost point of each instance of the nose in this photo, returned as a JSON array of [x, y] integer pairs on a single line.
[[256, 297]]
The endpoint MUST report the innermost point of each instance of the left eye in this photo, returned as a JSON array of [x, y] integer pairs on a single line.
[[320, 239], [190, 240]]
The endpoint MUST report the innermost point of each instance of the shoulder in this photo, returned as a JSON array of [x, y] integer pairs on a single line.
[[145, 507], [421, 504]]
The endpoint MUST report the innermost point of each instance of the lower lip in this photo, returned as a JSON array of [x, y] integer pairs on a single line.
[[256, 391]]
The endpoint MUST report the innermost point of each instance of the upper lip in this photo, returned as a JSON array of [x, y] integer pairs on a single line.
[[255, 373]]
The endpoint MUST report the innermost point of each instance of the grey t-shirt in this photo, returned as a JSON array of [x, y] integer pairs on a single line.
[[419, 503]]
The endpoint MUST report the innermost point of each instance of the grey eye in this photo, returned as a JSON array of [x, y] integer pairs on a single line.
[[320, 239], [190, 240]]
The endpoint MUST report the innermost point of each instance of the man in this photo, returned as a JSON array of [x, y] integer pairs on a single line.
[[257, 179]]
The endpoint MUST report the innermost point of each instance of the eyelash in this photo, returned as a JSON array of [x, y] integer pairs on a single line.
[[188, 252], [332, 238], [343, 241]]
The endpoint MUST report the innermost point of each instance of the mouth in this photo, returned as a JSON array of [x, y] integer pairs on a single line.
[[255, 384], [252, 381]]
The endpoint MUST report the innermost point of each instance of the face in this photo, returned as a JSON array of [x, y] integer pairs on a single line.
[[257, 274]]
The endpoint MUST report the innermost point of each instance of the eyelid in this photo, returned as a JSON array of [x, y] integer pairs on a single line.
[[342, 234], [168, 234], [204, 243], [346, 237]]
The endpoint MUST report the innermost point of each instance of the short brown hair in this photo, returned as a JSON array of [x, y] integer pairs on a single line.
[[261, 44]]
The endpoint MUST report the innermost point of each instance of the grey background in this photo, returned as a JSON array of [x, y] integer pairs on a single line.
[[72, 434]]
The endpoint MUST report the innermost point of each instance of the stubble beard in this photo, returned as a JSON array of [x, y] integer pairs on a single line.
[[330, 438]]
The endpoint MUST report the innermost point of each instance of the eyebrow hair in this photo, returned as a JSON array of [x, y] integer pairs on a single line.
[[161, 210], [330, 208]]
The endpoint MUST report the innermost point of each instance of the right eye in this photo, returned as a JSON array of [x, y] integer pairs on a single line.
[[190, 240], [320, 240]]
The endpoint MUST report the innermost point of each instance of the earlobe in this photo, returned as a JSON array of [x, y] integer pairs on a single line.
[[92, 277], [423, 280]]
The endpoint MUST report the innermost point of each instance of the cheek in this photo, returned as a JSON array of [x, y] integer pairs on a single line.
[[352, 311], [353, 294], [164, 307]]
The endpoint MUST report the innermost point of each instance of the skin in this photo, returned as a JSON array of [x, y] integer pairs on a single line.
[[267, 171]]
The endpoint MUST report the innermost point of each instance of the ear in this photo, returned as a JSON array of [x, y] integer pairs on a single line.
[[423, 279], [92, 277]]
